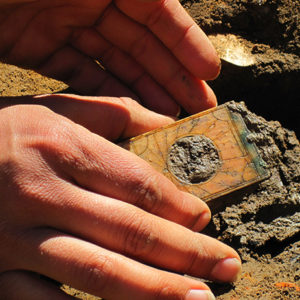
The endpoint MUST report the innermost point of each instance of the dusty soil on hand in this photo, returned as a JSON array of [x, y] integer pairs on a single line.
[[263, 222]]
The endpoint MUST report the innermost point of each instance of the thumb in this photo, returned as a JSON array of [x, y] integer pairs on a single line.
[[111, 117]]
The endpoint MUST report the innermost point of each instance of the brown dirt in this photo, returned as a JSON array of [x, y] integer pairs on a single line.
[[270, 29], [262, 223], [16, 82]]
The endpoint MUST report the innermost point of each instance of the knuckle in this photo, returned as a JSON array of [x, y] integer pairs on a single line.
[[27, 180], [32, 182], [155, 16], [167, 292], [140, 45], [127, 102], [66, 145], [97, 274], [27, 166], [58, 135], [140, 239], [193, 258], [108, 54], [147, 193], [48, 139]]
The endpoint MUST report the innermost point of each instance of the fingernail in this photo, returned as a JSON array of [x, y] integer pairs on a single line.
[[226, 269], [199, 295]]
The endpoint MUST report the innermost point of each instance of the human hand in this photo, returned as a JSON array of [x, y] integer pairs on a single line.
[[85, 212], [150, 50]]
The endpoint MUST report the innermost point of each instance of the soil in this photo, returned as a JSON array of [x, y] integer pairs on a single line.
[[193, 159], [269, 30], [262, 223], [17, 82]]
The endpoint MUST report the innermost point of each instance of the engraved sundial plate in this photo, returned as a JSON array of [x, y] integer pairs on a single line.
[[206, 154]]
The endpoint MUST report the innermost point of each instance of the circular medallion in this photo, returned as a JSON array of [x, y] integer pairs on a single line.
[[193, 159]]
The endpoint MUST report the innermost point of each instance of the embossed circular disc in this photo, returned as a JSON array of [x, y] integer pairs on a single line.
[[193, 159]]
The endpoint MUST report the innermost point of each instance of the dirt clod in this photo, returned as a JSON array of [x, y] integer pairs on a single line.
[[193, 159], [269, 32], [264, 224]]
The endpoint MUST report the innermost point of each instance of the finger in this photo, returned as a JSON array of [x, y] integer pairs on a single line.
[[83, 74], [100, 272], [131, 231], [43, 27], [112, 118], [102, 167], [147, 50], [16, 285], [66, 151], [127, 70], [176, 29]]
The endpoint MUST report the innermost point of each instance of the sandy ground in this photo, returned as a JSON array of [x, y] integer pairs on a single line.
[[262, 224], [268, 32]]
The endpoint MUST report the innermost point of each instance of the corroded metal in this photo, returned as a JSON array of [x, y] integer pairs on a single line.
[[235, 162]]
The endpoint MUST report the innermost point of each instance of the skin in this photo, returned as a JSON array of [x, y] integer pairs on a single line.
[[152, 51], [74, 206]]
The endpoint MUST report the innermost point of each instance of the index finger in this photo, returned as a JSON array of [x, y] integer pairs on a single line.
[[100, 272], [169, 21]]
